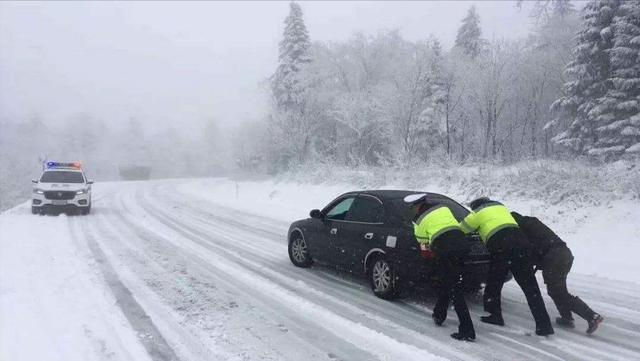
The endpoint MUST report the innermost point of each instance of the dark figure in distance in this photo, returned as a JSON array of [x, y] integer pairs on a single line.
[[509, 251], [436, 227], [554, 258]]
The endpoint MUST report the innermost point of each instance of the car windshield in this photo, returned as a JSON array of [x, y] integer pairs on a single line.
[[407, 213], [62, 176]]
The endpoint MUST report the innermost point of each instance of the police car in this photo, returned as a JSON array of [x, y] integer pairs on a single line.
[[62, 187]]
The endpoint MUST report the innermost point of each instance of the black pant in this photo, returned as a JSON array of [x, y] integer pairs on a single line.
[[449, 267], [556, 265], [517, 261]]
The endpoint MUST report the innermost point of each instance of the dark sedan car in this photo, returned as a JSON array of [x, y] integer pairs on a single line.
[[371, 232]]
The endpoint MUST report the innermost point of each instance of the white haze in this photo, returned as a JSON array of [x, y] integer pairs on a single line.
[[182, 62]]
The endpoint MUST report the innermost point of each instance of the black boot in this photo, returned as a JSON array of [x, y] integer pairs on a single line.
[[545, 331], [565, 322], [594, 323], [494, 319], [438, 320], [463, 337]]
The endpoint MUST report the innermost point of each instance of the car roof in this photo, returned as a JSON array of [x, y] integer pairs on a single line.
[[387, 194], [60, 169]]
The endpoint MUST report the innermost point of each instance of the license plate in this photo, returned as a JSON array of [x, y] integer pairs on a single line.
[[59, 203]]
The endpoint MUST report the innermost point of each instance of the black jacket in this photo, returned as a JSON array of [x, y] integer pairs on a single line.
[[541, 237]]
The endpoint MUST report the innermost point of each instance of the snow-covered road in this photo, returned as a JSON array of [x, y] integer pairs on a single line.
[[158, 272]]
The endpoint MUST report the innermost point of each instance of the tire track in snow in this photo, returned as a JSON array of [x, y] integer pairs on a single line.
[[334, 347], [149, 335]]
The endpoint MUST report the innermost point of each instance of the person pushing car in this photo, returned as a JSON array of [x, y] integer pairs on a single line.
[[509, 251], [436, 227], [554, 258]]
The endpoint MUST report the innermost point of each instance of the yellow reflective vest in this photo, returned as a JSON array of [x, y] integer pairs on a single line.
[[488, 219], [434, 222]]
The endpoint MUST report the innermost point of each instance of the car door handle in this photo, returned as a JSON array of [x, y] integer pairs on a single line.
[[368, 236], [333, 231]]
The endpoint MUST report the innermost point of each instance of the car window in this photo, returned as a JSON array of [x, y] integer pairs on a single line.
[[61, 176], [407, 213], [366, 209], [456, 208], [340, 210]]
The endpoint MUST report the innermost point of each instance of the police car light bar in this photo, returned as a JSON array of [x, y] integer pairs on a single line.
[[75, 165]]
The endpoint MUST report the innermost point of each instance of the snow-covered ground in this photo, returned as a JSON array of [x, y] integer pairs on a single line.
[[198, 270]]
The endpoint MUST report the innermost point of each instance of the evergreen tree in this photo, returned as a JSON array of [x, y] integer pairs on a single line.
[[563, 8], [294, 55], [622, 100], [589, 74], [293, 120], [469, 33]]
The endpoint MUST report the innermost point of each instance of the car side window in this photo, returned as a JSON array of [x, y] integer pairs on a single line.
[[367, 210], [340, 210], [459, 212]]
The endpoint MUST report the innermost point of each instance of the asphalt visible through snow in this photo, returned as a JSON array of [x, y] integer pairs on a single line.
[[200, 281]]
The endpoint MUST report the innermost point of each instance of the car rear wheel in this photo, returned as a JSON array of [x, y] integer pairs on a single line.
[[299, 252], [382, 276]]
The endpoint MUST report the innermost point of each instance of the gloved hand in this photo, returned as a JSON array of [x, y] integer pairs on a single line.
[[426, 251]]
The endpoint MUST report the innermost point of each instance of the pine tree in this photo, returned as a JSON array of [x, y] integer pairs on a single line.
[[589, 73], [563, 8], [294, 55], [469, 33], [292, 122], [623, 98]]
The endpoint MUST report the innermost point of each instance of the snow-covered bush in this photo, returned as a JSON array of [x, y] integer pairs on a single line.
[[552, 182]]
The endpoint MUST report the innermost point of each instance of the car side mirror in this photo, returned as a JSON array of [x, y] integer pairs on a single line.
[[90, 181], [34, 181], [315, 214]]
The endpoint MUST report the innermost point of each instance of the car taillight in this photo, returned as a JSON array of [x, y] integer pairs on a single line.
[[426, 252]]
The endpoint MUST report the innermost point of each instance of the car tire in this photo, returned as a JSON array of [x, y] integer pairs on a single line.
[[86, 211], [383, 278], [299, 251]]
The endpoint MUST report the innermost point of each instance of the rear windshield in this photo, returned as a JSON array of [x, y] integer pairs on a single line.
[[407, 213], [62, 176]]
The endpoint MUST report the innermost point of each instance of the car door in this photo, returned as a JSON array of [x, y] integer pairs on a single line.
[[361, 231], [332, 226]]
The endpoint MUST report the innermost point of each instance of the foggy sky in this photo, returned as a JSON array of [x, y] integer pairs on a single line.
[[181, 62]]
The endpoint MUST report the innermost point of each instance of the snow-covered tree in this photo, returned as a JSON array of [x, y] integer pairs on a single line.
[[543, 10], [622, 100], [589, 74], [418, 93], [546, 52], [294, 55], [469, 34], [293, 116]]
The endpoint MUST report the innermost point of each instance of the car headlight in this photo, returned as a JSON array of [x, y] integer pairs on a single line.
[[82, 191], [39, 191]]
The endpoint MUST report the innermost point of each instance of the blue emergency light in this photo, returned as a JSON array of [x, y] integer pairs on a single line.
[[75, 165]]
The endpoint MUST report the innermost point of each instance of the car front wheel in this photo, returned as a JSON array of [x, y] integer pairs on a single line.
[[299, 252], [383, 279]]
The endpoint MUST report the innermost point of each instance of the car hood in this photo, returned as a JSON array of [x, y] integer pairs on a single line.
[[61, 186]]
